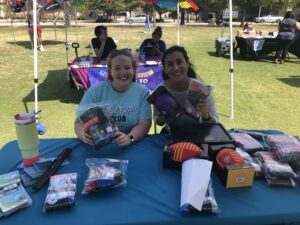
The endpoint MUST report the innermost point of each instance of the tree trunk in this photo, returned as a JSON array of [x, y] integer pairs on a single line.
[[154, 15], [182, 17]]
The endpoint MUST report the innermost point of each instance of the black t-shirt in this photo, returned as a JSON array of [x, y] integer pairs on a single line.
[[287, 29], [109, 45]]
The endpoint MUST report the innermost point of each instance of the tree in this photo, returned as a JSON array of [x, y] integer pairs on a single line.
[[132, 4], [110, 8], [276, 6]]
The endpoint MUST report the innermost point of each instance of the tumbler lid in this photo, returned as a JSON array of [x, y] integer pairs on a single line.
[[24, 118]]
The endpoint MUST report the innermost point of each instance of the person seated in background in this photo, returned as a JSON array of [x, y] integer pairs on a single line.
[[154, 46], [102, 44], [127, 100], [181, 81], [248, 28]]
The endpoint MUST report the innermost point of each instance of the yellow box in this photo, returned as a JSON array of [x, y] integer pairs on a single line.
[[237, 176]]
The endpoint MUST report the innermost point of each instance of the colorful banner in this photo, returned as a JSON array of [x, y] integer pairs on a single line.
[[258, 45], [151, 1], [151, 76], [167, 3]]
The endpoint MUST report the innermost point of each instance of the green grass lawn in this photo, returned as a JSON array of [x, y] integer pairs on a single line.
[[266, 95]]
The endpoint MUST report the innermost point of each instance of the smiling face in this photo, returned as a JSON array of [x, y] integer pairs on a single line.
[[122, 72], [156, 36], [176, 67]]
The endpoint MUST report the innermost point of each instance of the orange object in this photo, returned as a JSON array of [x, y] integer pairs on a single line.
[[182, 151], [228, 156]]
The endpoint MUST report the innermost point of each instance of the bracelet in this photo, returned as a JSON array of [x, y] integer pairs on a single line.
[[131, 138]]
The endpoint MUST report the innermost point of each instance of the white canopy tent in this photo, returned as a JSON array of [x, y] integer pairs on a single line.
[[231, 69]]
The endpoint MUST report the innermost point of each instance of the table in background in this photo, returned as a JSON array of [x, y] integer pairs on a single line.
[[152, 195], [85, 75], [257, 47]]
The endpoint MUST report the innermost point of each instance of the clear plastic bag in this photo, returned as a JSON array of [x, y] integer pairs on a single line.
[[61, 192], [209, 206], [96, 120], [246, 142], [105, 174], [286, 147], [13, 196]]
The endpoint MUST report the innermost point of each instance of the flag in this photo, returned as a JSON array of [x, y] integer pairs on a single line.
[[151, 1], [188, 4], [167, 3]]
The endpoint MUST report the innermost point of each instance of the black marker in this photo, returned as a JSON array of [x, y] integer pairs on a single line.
[[52, 168]]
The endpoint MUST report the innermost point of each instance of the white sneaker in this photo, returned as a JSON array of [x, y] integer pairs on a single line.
[[42, 48]]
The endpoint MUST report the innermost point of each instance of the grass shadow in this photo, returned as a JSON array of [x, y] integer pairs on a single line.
[[55, 87], [27, 44], [293, 81]]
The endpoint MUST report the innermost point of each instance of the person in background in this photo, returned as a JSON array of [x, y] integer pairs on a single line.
[[127, 99], [102, 44], [179, 79], [286, 35], [147, 23], [248, 27], [158, 45], [29, 20]]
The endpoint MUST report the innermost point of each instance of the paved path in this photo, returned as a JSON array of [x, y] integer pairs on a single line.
[[84, 23]]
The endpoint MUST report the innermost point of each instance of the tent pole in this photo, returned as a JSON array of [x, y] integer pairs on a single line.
[[231, 70], [12, 16], [66, 37], [178, 23], [76, 23], [35, 59]]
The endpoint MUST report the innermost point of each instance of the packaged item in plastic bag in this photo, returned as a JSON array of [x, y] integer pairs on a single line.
[[273, 167], [286, 147], [13, 196], [61, 192], [246, 142], [252, 161], [105, 174], [98, 124], [209, 206]]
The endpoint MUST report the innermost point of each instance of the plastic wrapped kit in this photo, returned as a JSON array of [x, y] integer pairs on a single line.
[[105, 174]]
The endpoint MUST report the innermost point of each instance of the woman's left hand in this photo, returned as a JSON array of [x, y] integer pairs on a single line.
[[121, 139], [202, 106]]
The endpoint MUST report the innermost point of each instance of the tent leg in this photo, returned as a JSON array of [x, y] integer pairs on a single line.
[[66, 38], [12, 27], [231, 62]]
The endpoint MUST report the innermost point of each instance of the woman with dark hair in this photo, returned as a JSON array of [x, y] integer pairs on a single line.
[[286, 35], [154, 46], [191, 94], [248, 27], [126, 99], [102, 44]]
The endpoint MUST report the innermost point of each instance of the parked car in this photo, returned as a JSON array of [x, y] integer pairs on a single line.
[[138, 19], [268, 18]]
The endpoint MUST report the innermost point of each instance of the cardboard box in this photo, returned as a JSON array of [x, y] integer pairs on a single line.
[[263, 33], [245, 34], [236, 176]]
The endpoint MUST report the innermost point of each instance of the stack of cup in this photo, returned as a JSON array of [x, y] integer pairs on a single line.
[[27, 136]]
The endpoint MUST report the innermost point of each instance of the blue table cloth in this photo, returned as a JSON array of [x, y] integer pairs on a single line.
[[152, 195]]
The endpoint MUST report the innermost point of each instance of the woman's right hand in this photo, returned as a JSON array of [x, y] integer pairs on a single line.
[[81, 132], [85, 137]]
